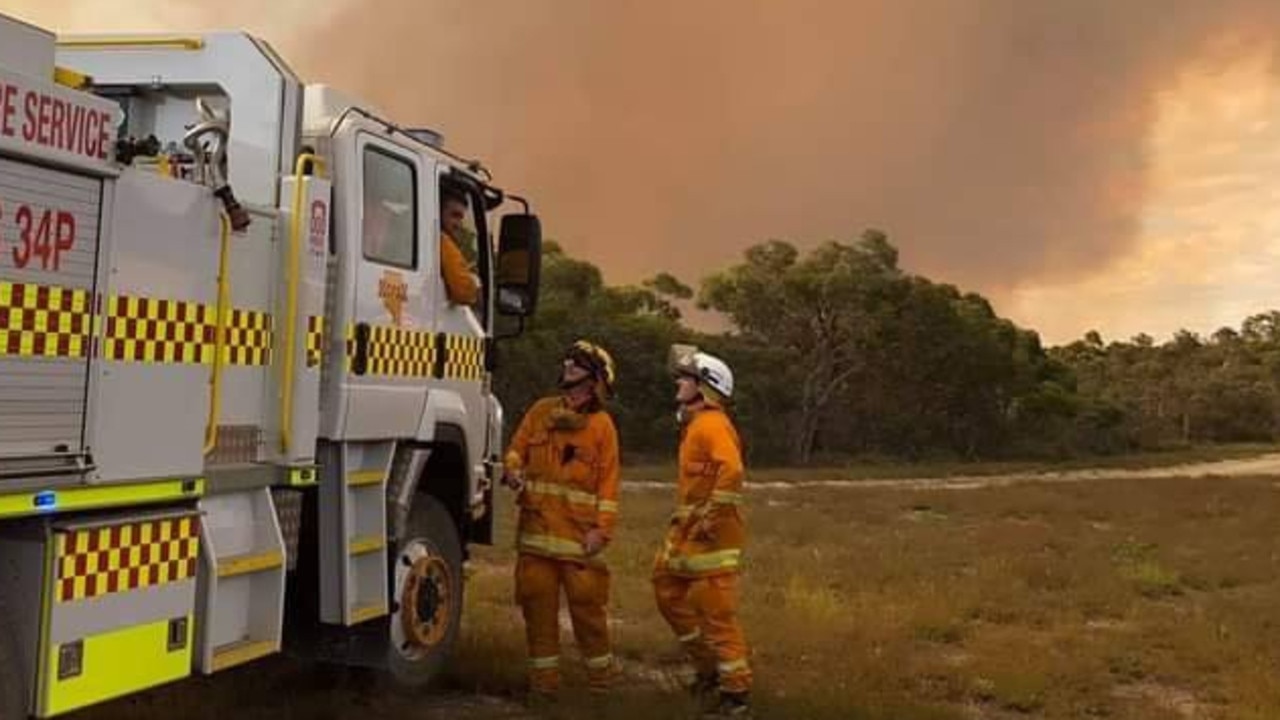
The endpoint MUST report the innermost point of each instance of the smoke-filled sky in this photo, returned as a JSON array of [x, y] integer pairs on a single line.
[[1084, 163]]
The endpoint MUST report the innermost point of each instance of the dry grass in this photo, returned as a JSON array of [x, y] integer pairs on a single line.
[[1141, 600], [1124, 600]]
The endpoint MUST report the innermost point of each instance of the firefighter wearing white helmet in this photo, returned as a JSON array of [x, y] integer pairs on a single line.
[[696, 572], [712, 376]]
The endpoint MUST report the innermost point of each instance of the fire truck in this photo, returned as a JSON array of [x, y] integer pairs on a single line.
[[239, 413]]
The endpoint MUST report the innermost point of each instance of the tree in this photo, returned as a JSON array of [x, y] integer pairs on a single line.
[[820, 309]]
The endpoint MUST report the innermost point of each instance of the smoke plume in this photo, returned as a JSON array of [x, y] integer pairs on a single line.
[[1000, 143]]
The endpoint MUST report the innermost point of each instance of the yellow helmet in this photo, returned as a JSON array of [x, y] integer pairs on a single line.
[[595, 360]]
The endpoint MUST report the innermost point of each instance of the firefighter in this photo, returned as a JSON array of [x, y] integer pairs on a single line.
[[696, 572], [460, 285], [563, 462]]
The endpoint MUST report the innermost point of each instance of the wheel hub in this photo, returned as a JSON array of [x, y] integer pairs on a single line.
[[424, 603]]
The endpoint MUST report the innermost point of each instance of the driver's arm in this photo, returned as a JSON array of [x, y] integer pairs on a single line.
[[459, 283]]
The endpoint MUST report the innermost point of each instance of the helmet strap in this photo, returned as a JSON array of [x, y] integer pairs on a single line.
[[583, 396], [574, 384]]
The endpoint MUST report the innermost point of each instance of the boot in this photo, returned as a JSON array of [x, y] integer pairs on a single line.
[[731, 705], [703, 690], [703, 685]]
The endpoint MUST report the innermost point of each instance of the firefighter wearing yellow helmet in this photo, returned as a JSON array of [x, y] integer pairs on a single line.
[[695, 576], [563, 462]]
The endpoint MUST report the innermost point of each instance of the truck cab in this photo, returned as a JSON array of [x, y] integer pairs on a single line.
[[230, 328]]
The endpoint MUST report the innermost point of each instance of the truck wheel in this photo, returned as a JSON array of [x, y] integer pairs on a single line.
[[427, 593]]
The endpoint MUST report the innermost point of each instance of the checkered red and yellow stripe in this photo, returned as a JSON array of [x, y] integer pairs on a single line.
[[248, 339], [401, 353], [44, 321], [315, 340], [52, 322], [147, 330], [464, 358], [102, 561]]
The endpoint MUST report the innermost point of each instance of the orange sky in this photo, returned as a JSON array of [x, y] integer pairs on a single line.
[[1085, 163]]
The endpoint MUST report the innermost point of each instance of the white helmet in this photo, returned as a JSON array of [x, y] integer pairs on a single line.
[[711, 372]]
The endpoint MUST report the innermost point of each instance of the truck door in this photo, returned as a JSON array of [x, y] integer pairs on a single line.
[[49, 228], [392, 338]]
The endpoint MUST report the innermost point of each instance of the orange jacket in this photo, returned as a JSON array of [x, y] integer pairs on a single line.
[[458, 282], [571, 478], [707, 533]]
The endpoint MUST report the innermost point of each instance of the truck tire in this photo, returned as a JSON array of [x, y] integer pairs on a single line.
[[426, 599]]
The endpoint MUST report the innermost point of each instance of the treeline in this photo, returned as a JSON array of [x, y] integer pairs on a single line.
[[839, 353]]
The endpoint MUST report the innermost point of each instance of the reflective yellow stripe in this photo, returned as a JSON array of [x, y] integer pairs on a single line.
[[576, 497], [610, 506], [132, 42], [67, 77], [367, 612], [366, 545], [600, 663], [546, 663], [242, 652], [249, 563], [719, 497], [731, 667], [365, 477], [719, 560], [116, 663], [553, 545], [299, 477], [86, 498]]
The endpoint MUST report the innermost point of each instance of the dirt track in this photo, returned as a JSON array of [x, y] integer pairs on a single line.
[[1255, 466]]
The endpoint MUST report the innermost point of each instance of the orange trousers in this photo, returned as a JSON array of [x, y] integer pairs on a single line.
[[703, 613], [539, 581]]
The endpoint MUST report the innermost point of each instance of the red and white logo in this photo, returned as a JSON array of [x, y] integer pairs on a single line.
[[319, 227]]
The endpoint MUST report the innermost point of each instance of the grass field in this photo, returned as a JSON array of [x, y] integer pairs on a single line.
[[1134, 599]]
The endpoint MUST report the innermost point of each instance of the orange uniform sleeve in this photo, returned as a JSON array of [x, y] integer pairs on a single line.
[[721, 442], [607, 489], [459, 283]]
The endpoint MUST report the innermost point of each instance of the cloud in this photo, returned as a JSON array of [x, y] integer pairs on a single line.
[[1209, 250], [1005, 145]]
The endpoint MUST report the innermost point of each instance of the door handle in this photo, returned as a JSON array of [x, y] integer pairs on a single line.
[[360, 353]]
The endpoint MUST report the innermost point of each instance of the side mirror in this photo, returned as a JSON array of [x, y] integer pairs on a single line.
[[519, 268]]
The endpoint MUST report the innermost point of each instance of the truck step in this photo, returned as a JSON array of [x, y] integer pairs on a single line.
[[367, 612], [353, 531], [240, 609], [365, 545], [366, 478], [249, 563], [241, 652]]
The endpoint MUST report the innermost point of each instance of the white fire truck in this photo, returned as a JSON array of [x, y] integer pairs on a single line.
[[239, 414]]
